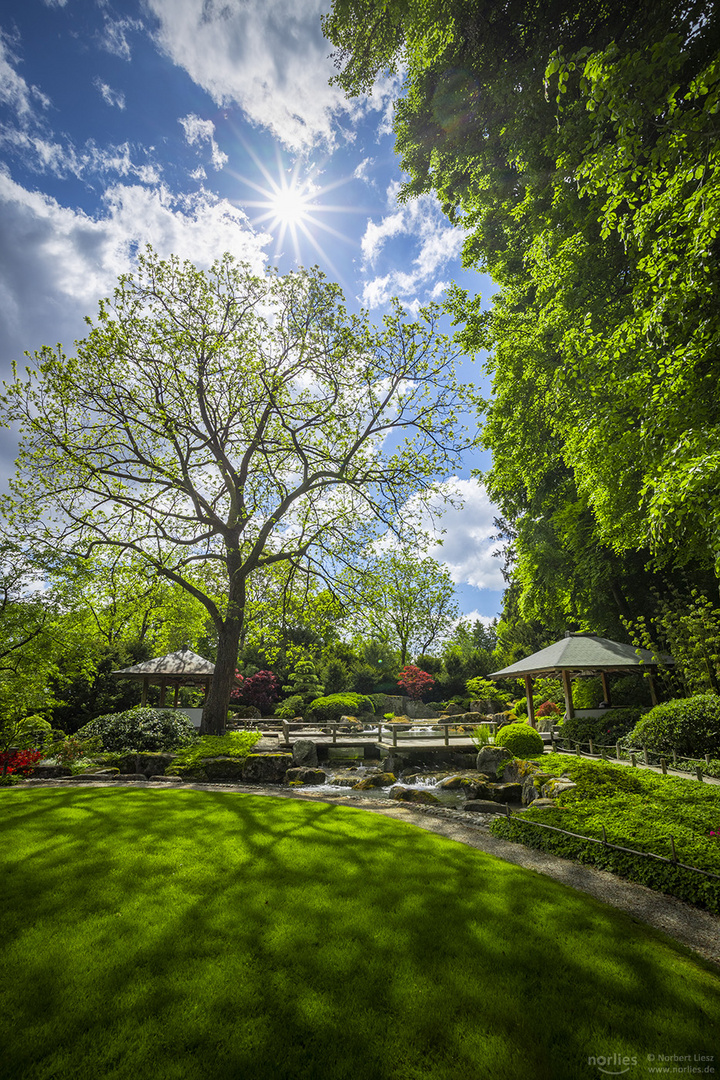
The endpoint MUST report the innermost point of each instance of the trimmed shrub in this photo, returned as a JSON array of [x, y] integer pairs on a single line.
[[141, 729], [521, 740], [328, 709], [604, 730], [290, 707], [690, 726]]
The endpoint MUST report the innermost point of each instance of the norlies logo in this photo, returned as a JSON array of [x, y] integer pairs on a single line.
[[613, 1064]]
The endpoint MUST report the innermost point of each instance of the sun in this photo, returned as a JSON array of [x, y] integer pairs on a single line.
[[293, 206]]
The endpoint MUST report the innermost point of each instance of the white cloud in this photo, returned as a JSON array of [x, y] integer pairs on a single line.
[[56, 262], [268, 57], [362, 171], [114, 37], [467, 548], [112, 97], [14, 90], [199, 131], [421, 222]]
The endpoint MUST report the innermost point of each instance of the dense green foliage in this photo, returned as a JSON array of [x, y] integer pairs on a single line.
[[690, 726], [331, 708], [604, 730], [141, 729], [576, 146], [278, 939], [638, 809], [521, 740]]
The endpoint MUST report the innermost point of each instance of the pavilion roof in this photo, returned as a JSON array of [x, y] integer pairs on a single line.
[[583, 653], [183, 664]]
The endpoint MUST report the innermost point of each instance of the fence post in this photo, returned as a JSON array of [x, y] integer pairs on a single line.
[[645, 755], [591, 748], [446, 730], [334, 733], [663, 766], [674, 758], [698, 773], [577, 748], [394, 731], [286, 732], [604, 834], [507, 810], [617, 751], [633, 762], [707, 760], [552, 740]]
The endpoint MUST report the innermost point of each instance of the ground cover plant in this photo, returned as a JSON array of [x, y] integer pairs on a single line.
[[234, 744], [638, 809], [186, 934]]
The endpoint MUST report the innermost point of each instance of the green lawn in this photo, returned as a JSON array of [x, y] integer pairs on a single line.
[[188, 934]]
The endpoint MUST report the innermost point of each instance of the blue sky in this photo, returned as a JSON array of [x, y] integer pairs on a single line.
[[203, 126]]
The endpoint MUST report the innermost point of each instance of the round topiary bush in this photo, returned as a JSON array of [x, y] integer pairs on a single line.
[[521, 740], [690, 726], [328, 709], [151, 730]]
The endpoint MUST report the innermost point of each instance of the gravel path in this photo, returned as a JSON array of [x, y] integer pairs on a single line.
[[696, 929]]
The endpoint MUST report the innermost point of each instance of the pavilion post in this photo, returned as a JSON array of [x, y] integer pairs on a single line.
[[567, 690], [175, 698], [653, 692], [163, 688], [144, 690], [529, 699], [606, 687]]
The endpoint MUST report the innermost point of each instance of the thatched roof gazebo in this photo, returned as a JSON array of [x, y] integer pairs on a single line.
[[182, 668], [583, 654]]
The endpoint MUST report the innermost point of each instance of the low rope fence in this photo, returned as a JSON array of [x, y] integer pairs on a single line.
[[673, 861], [639, 756]]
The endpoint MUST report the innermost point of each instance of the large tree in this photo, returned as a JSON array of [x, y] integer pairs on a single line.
[[214, 424], [576, 144]]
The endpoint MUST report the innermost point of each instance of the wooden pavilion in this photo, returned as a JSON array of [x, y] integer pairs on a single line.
[[182, 668], [582, 654]]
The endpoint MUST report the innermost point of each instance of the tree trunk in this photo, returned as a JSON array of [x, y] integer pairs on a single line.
[[214, 717]]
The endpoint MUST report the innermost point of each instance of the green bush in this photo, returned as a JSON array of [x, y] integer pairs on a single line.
[[690, 726], [521, 740], [326, 710], [290, 707], [140, 728], [604, 730]]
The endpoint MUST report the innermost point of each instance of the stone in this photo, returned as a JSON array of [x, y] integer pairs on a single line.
[[305, 775], [490, 758], [266, 768], [543, 804], [474, 786], [48, 770], [223, 768], [305, 753], [151, 763], [414, 777], [403, 794], [483, 806], [506, 793], [166, 779], [556, 786], [381, 779]]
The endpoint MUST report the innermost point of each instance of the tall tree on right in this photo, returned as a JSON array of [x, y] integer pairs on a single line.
[[576, 144]]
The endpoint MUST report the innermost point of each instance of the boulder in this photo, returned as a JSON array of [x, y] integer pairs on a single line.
[[48, 770], [543, 804], [305, 775], [556, 786], [473, 786], [150, 764], [413, 795], [490, 758], [532, 786], [413, 777], [223, 768], [167, 779], [484, 806], [381, 779], [304, 753], [266, 768], [506, 793]]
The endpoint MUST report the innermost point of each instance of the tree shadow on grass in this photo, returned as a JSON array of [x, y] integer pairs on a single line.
[[194, 934]]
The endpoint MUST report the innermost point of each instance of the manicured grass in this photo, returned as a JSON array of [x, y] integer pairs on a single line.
[[186, 934]]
